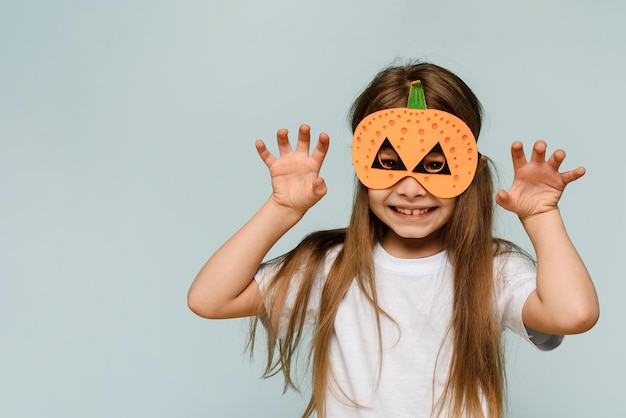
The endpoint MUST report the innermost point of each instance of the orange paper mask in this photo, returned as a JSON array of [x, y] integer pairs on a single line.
[[434, 147]]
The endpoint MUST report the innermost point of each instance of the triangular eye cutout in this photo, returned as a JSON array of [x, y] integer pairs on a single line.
[[434, 162], [387, 158]]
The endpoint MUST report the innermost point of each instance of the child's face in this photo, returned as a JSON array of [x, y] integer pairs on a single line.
[[410, 212]]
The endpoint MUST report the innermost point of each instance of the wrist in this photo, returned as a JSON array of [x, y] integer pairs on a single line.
[[524, 218], [544, 224], [284, 214]]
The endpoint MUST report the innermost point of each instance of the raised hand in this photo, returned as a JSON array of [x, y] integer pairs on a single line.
[[295, 176], [537, 185]]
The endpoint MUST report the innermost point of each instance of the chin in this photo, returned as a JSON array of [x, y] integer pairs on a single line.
[[418, 235]]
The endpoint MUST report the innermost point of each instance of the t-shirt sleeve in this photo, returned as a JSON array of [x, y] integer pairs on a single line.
[[516, 276], [266, 273], [263, 276]]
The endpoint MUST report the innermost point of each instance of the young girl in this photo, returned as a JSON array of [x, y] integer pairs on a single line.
[[406, 305]]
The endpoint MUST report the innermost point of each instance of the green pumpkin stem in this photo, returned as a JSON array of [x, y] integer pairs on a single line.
[[417, 100]]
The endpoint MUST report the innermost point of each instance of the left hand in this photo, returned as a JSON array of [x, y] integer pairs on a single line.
[[537, 185]]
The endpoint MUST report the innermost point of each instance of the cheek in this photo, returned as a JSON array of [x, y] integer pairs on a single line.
[[376, 201], [374, 198], [447, 206]]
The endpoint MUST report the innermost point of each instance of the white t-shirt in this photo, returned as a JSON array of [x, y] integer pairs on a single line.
[[416, 344]]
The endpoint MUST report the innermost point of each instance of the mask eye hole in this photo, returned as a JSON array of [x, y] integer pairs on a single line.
[[434, 162], [388, 158]]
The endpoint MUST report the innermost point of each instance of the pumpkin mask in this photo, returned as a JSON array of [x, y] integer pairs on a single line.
[[434, 147]]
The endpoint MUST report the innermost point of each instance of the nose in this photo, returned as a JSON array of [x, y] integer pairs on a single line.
[[410, 188]]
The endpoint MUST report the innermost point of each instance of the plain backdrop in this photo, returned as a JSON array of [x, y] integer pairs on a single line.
[[127, 157]]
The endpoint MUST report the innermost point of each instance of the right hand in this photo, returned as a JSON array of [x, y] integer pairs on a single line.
[[296, 183]]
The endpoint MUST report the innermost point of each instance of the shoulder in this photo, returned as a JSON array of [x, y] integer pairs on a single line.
[[510, 261], [515, 276], [313, 255]]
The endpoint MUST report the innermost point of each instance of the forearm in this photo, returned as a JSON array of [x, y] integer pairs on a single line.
[[230, 270], [566, 300]]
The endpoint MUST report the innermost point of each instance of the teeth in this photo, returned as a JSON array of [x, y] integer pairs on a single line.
[[413, 212]]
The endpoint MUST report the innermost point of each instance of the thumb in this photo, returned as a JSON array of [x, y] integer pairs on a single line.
[[503, 199], [319, 187]]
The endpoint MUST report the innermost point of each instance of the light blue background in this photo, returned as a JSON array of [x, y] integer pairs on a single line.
[[127, 157]]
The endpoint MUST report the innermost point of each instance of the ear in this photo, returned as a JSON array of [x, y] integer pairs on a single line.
[[483, 161]]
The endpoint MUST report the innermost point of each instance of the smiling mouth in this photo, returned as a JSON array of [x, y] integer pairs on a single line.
[[413, 212]]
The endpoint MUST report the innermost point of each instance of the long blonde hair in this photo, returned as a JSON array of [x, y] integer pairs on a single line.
[[477, 369]]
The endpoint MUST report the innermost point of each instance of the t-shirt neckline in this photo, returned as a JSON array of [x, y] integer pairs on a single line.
[[430, 264]]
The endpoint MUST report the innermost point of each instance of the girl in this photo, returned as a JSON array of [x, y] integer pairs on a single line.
[[406, 305]]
